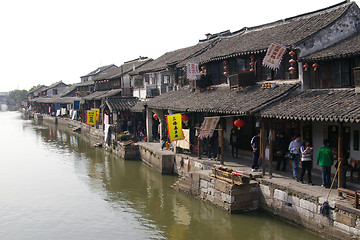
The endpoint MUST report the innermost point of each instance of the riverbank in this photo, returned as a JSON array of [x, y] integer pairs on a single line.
[[280, 195]]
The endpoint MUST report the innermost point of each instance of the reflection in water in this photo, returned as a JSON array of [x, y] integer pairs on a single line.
[[81, 192]]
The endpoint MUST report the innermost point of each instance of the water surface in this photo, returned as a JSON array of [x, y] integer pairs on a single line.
[[55, 185]]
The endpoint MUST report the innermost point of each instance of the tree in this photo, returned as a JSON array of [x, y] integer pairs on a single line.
[[16, 96]]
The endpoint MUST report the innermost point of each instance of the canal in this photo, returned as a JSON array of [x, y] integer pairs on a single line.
[[55, 185]]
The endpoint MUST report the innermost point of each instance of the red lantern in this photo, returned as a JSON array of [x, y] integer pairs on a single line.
[[291, 69], [226, 73], [239, 123], [292, 61], [155, 116], [252, 70], [225, 62], [252, 58], [306, 66], [226, 68], [185, 118], [292, 53], [203, 68], [252, 64], [315, 66]]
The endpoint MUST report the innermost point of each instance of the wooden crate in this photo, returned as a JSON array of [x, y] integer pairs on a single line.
[[234, 178]]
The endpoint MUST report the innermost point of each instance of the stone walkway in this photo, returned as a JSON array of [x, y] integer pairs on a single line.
[[243, 163]]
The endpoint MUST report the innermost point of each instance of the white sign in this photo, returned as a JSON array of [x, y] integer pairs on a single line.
[[192, 71], [208, 127], [274, 56]]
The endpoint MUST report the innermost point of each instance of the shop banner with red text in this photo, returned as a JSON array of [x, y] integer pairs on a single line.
[[174, 125], [274, 56], [208, 127]]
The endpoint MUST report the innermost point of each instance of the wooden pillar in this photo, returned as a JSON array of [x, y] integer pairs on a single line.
[[262, 146], [199, 145], [271, 156], [340, 156], [221, 144]]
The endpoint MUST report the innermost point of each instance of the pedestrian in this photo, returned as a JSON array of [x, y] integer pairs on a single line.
[[255, 144], [234, 142], [306, 161], [213, 146], [282, 146], [325, 158], [164, 139], [294, 149]]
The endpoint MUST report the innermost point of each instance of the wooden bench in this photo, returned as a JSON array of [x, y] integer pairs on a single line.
[[354, 195]]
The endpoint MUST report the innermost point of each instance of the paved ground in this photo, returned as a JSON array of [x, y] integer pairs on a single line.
[[243, 163]]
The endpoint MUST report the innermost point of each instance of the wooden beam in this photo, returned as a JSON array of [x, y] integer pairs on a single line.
[[340, 155], [262, 146]]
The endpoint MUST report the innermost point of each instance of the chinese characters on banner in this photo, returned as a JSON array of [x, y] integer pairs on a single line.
[[174, 125], [208, 127], [90, 117], [274, 56], [192, 71], [97, 110]]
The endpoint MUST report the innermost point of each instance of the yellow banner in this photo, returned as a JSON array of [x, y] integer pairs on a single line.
[[174, 125], [90, 117], [97, 113]]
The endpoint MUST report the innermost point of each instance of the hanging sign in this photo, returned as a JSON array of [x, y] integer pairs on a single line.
[[208, 126], [57, 106], [192, 71], [76, 105], [174, 125], [90, 117], [274, 56], [97, 110]]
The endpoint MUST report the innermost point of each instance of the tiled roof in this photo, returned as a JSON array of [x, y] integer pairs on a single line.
[[99, 70], [123, 69], [318, 105], [287, 32], [36, 89], [138, 107], [347, 48], [54, 85], [75, 86], [57, 99], [98, 95], [174, 57], [222, 99], [120, 104]]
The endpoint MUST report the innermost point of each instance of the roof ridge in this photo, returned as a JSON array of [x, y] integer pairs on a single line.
[[298, 17]]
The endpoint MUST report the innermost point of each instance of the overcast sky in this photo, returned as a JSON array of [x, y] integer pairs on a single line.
[[45, 41]]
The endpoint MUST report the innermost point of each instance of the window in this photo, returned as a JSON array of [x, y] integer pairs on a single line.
[[342, 73], [167, 79], [55, 91], [356, 140]]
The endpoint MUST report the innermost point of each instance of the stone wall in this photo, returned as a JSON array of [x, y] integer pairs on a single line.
[[301, 208], [162, 161], [233, 198]]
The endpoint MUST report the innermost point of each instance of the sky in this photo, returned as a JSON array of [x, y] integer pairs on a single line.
[[45, 41]]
